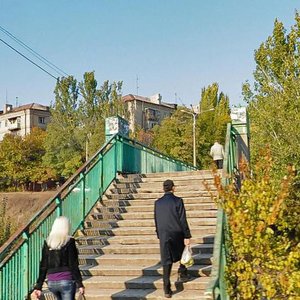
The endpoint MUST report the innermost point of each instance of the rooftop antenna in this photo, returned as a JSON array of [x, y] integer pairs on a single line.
[[137, 84], [176, 98], [17, 98]]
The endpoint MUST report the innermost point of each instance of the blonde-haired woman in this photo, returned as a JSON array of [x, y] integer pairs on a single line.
[[60, 263]]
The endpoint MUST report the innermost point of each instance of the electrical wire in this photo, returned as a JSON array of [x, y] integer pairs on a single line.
[[37, 55], [33, 52], [24, 56]]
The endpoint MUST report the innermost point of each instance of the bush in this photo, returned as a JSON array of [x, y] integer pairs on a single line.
[[263, 230], [6, 225]]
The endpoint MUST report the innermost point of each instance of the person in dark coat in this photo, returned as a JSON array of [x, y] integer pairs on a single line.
[[173, 233]]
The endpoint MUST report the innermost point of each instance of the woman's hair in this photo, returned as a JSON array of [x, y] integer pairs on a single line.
[[59, 234]]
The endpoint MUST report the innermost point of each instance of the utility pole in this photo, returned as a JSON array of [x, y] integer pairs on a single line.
[[194, 114]]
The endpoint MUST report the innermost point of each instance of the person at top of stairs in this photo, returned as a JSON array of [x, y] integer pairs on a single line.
[[173, 233]]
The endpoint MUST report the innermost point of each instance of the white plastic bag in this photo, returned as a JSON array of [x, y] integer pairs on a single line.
[[186, 257]]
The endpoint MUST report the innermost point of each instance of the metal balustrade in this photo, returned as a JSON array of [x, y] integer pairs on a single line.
[[21, 254], [233, 153]]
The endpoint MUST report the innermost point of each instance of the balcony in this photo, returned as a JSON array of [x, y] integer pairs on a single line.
[[14, 126]]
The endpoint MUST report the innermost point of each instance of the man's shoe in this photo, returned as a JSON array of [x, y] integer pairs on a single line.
[[184, 277], [169, 294]]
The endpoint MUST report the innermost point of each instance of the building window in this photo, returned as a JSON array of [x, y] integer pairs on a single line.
[[151, 124], [152, 114], [41, 120]]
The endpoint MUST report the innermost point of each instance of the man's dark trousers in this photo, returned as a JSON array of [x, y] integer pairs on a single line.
[[182, 270]]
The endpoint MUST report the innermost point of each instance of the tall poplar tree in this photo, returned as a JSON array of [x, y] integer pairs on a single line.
[[63, 147], [76, 130], [175, 135], [274, 98]]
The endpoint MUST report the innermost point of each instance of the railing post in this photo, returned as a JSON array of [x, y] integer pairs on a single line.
[[58, 201], [116, 156], [82, 177], [25, 264], [101, 174]]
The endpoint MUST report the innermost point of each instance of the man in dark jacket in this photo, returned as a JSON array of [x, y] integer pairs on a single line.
[[173, 232]]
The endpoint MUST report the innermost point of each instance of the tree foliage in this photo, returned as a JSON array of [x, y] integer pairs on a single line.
[[274, 99], [264, 235], [78, 114], [6, 225], [21, 159], [211, 125], [175, 135]]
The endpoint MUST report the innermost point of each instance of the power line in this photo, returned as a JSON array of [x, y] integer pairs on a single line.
[[24, 56], [33, 52]]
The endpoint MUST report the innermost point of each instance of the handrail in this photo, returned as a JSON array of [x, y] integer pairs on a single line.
[[20, 255], [158, 153], [32, 221], [217, 286]]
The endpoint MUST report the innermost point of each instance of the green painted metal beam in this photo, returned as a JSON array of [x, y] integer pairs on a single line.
[[20, 255]]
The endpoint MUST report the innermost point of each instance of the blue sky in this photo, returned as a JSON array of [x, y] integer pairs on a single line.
[[172, 46]]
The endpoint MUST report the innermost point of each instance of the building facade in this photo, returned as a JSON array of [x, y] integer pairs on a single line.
[[22, 119], [146, 112]]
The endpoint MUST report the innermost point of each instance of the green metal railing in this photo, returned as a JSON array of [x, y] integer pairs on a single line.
[[217, 287], [20, 255]]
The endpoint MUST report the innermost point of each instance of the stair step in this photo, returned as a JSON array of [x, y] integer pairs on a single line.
[[147, 215], [135, 240], [150, 208], [140, 294], [129, 270], [155, 196], [137, 249], [157, 188], [129, 231], [157, 185], [138, 202], [137, 259], [142, 282], [106, 224]]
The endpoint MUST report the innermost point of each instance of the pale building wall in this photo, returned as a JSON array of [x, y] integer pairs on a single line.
[[21, 121], [146, 114]]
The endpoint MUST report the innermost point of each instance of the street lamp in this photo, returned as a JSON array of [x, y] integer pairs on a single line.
[[194, 114]]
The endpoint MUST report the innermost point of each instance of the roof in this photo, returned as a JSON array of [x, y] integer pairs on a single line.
[[32, 106], [131, 97]]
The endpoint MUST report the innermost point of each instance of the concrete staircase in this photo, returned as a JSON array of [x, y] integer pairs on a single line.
[[119, 251]]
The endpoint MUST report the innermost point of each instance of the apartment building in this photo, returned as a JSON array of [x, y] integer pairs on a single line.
[[20, 120], [146, 112]]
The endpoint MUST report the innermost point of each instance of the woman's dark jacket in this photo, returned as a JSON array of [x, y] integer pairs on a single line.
[[54, 261], [171, 227]]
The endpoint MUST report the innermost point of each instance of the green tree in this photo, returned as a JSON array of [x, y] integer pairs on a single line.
[[174, 136], [34, 149], [78, 114], [211, 122], [263, 246], [95, 106], [64, 152], [21, 159], [6, 227], [12, 161], [274, 99]]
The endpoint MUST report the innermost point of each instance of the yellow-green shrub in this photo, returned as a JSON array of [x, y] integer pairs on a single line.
[[6, 226], [263, 236]]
